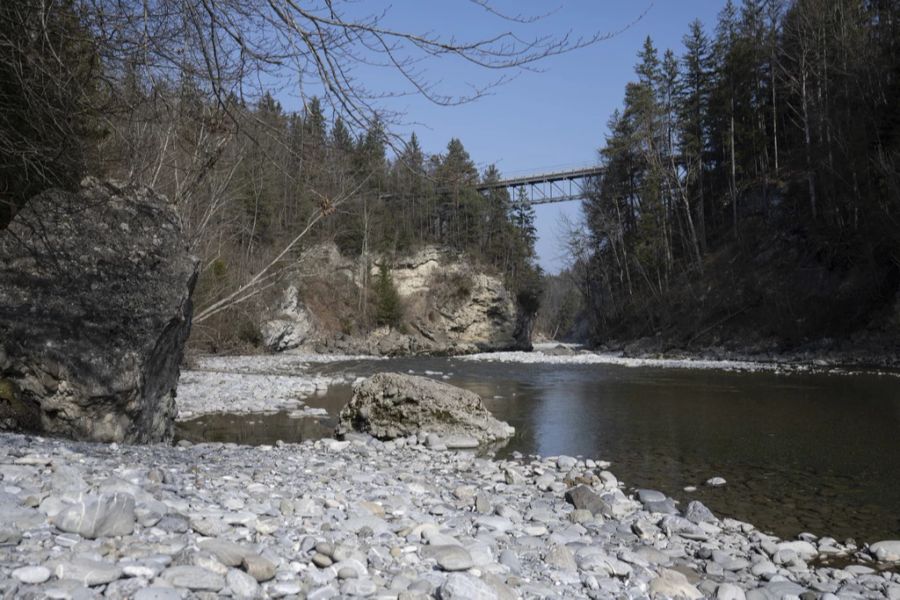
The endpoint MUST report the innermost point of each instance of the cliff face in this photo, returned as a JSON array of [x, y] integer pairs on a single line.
[[447, 306], [451, 304]]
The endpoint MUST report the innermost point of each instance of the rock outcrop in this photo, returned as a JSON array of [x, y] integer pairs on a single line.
[[453, 305], [392, 405], [95, 307], [291, 326], [449, 307]]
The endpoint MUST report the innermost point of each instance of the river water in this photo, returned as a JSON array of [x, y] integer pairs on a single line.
[[800, 451]]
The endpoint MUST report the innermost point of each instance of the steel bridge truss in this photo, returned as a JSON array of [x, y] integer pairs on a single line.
[[547, 188]]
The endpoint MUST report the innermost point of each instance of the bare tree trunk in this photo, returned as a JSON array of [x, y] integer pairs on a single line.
[[810, 174], [733, 182], [701, 209], [364, 267], [621, 236], [774, 116]]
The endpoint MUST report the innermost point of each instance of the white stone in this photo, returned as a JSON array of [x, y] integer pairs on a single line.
[[803, 549], [673, 584], [241, 584], [729, 591], [460, 586], [32, 575], [886, 551]]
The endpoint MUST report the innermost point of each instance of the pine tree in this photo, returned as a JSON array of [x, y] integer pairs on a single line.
[[459, 205], [523, 219], [695, 90], [341, 139], [498, 232], [726, 90], [388, 306]]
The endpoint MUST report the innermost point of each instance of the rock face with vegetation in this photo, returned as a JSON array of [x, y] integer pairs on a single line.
[[428, 302], [392, 405], [95, 307], [452, 304]]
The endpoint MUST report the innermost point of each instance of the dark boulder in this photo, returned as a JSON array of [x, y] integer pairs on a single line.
[[95, 308], [584, 498]]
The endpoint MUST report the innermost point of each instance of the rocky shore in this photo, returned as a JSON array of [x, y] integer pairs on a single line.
[[861, 351], [258, 383], [713, 359], [364, 518]]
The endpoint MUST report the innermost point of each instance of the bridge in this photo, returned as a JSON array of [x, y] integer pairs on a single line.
[[547, 188], [541, 188]]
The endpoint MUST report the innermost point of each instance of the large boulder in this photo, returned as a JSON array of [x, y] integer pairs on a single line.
[[95, 308], [391, 405]]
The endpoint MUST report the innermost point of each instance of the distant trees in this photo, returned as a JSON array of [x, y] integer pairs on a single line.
[[783, 126], [183, 96], [152, 91]]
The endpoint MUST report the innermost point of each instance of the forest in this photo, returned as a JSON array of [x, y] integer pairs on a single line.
[[752, 183], [92, 88]]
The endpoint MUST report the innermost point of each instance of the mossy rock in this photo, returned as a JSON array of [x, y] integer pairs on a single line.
[[18, 413], [9, 392]]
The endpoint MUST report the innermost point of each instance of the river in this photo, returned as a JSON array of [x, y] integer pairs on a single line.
[[816, 452]]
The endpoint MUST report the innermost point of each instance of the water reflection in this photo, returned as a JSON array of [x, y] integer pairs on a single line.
[[254, 429], [806, 452]]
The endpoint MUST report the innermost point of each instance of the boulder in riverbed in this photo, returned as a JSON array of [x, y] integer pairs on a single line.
[[95, 307], [886, 551], [392, 405]]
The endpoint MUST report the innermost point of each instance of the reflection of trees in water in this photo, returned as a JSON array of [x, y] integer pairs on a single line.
[[797, 453], [255, 429]]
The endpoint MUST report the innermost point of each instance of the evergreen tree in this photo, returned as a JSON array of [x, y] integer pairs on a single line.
[[388, 306], [523, 219], [695, 90], [459, 205], [769, 129], [341, 139]]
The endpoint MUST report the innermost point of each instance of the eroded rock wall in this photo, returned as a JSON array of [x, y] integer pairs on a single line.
[[451, 303], [450, 306]]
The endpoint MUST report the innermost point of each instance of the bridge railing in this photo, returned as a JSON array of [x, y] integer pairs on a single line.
[[541, 188], [542, 178]]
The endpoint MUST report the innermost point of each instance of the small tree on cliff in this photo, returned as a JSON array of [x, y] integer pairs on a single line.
[[388, 309]]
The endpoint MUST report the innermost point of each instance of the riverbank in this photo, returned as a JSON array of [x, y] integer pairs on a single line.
[[863, 351], [284, 383], [576, 354], [372, 519], [263, 383], [769, 431]]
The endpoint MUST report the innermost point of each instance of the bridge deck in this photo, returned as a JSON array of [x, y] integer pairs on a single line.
[[542, 178]]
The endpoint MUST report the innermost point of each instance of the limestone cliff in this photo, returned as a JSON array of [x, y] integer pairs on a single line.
[[449, 306]]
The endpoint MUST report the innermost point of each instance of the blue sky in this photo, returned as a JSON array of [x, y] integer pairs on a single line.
[[540, 120]]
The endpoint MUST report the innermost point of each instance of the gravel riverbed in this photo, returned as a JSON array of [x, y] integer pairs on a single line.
[[263, 383], [364, 518]]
